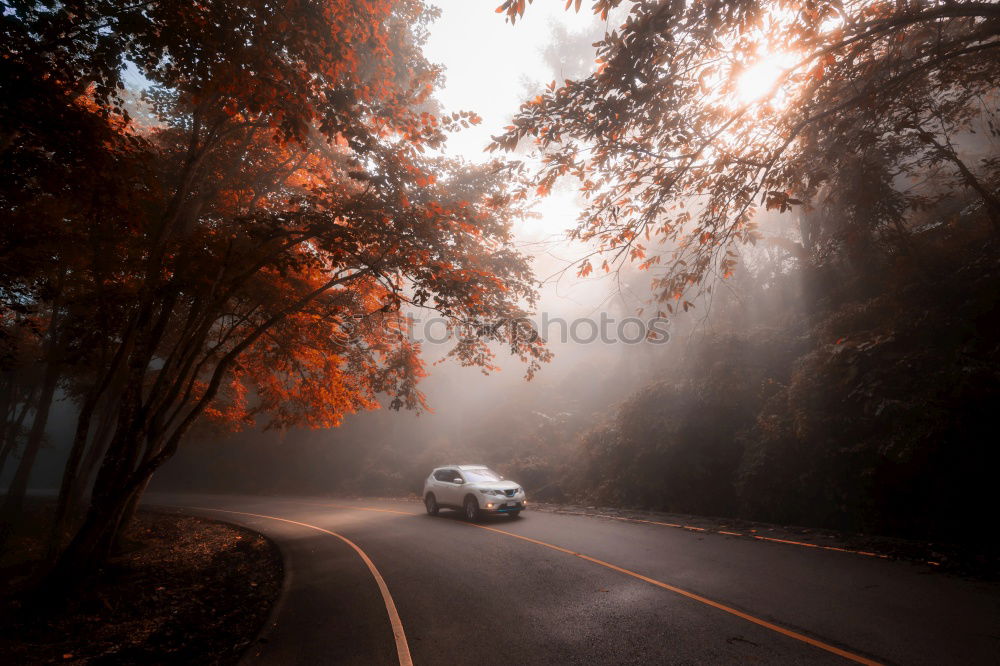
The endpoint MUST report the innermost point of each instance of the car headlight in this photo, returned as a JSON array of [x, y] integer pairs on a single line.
[[487, 491]]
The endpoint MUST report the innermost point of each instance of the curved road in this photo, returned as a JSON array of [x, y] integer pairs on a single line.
[[380, 582]]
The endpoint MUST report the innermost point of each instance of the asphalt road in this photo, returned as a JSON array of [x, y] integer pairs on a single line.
[[380, 582]]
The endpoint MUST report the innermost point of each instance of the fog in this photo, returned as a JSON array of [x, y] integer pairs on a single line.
[[766, 399], [496, 418], [490, 67]]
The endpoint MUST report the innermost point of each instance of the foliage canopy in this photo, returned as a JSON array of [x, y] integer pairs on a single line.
[[675, 155]]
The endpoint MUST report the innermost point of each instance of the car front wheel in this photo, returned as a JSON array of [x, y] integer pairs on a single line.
[[471, 509], [515, 514], [431, 504]]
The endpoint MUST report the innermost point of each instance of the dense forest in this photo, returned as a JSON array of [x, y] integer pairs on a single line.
[[216, 218], [232, 244], [871, 410], [838, 369]]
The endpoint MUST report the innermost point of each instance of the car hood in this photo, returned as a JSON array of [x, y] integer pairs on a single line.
[[506, 484]]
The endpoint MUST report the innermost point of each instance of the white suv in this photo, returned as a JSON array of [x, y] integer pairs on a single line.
[[472, 489]]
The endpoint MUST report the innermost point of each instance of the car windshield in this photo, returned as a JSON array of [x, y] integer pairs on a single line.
[[480, 475]]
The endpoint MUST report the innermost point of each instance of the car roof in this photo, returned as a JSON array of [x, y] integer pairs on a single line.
[[465, 466]]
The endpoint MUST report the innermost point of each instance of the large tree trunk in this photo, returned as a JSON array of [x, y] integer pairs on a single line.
[[70, 507], [8, 407], [126, 470], [12, 431], [14, 501], [119, 479], [92, 460], [8, 443], [140, 339], [6, 448], [116, 489], [71, 472], [93, 543], [129, 514]]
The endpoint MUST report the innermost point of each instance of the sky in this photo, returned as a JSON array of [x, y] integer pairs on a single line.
[[491, 67], [489, 63]]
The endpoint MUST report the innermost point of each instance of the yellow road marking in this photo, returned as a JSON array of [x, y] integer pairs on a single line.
[[696, 597], [666, 586], [816, 545], [752, 536], [356, 508], [402, 648], [646, 522]]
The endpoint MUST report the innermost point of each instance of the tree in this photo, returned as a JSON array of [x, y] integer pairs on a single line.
[[700, 113], [260, 239]]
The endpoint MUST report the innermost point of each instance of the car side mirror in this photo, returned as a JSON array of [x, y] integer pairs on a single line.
[[458, 481]]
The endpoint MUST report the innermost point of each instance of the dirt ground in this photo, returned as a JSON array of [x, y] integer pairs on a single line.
[[187, 590]]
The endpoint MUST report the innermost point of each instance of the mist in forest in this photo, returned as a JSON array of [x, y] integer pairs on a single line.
[[767, 399], [834, 363]]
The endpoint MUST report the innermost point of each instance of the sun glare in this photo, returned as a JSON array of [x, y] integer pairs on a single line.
[[757, 80]]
